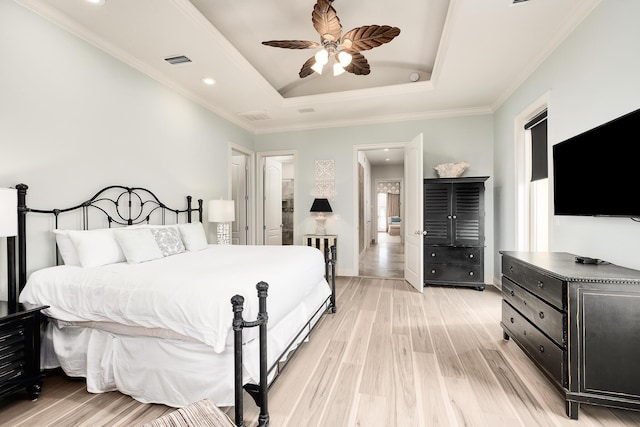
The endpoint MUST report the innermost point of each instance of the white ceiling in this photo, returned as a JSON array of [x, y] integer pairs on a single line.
[[470, 54]]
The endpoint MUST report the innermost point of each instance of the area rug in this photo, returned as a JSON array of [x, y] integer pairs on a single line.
[[199, 414]]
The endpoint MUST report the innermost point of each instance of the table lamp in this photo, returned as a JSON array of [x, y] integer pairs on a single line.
[[9, 228], [320, 208], [223, 212]]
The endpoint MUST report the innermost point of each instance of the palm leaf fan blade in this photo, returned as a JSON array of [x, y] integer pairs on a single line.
[[292, 44], [359, 64], [306, 67], [325, 21], [369, 36]]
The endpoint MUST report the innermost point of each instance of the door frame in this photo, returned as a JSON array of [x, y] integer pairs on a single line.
[[260, 156], [251, 211], [356, 191]]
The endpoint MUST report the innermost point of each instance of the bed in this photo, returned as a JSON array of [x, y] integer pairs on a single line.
[[167, 326]]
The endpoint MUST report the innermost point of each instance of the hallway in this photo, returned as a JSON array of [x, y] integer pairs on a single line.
[[384, 259]]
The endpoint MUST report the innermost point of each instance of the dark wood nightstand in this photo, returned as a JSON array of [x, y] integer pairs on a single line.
[[20, 349]]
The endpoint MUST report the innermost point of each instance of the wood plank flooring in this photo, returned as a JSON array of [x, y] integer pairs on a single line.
[[389, 357]]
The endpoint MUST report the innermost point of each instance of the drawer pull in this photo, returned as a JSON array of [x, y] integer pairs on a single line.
[[541, 314], [471, 273], [540, 284], [511, 319], [470, 255], [541, 349], [433, 272], [511, 268], [433, 254], [512, 293]]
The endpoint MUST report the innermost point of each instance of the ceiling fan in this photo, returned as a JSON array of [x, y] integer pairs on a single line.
[[345, 49]]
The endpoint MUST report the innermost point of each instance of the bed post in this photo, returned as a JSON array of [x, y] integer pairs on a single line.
[[22, 238], [258, 393], [330, 259], [334, 255], [263, 418], [237, 302]]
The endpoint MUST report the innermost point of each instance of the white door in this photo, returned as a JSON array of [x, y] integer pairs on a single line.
[[413, 213], [240, 194], [272, 202]]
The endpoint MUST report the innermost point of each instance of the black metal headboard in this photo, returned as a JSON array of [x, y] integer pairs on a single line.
[[116, 204]]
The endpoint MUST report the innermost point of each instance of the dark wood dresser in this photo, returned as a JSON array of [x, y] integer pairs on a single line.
[[580, 324], [20, 349]]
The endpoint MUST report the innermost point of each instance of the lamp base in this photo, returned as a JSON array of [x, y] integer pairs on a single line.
[[223, 235], [320, 228]]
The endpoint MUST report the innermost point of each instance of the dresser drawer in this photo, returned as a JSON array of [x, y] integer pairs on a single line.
[[546, 317], [545, 287], [453, 273], [539, 347], [453, 255]]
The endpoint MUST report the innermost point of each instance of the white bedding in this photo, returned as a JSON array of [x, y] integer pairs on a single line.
[[187, 293], [160, 331]]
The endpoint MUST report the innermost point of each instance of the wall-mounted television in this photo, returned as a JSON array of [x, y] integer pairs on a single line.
[[597, 173]]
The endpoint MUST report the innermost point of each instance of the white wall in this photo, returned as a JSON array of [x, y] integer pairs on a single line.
[[74, 119], [445, 140], [591, 78]]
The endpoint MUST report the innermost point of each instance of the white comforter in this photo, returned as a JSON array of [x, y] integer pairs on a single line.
[[188, 293]]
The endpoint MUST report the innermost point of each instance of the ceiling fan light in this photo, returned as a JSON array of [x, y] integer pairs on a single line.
[[337, 69], [322, 57], [344, 58], [317, 67]]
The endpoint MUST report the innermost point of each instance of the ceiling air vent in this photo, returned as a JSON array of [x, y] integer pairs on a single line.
[[181, 59], [254, 115], [306, 110]]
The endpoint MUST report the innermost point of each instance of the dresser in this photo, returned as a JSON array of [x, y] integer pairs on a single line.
[[579, 323], [454, 231], [20, 349]]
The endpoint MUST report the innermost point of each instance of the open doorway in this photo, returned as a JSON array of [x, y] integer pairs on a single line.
[[380, 211], [276, 189]]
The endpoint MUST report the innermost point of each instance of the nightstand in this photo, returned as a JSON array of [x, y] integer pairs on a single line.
[[321, 241], [20, 349]]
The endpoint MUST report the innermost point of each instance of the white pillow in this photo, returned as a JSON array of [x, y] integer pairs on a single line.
[[168, 240], [138, 244], [96, 247], [67, 249], [193, 236]]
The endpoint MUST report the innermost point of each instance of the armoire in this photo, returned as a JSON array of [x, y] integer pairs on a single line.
[[454, 239]]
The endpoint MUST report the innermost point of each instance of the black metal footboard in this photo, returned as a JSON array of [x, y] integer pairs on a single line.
[[239, 324], [259, 392]]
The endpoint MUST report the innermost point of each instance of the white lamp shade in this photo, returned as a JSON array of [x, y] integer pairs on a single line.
[[8, 212], [221, 211]]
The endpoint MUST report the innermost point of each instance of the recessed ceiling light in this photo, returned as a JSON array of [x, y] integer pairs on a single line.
[[386, 149], [387, 160], [96, 1], [208, 81]]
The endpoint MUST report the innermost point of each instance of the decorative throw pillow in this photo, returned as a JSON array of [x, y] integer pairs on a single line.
[[138, 244], [168, 240], [193, 236]]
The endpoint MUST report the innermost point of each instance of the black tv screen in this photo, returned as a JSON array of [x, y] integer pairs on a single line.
[[597, 173]]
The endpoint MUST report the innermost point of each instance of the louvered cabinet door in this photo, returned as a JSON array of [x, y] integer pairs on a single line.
[[437, 214], [467, 212]]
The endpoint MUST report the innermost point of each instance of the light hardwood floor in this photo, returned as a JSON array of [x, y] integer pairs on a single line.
[[389, 357], [383, 259]]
